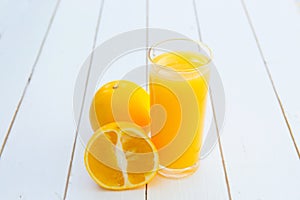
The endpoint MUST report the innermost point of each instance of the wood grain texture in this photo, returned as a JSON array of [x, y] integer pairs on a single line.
[[23, 28], [209, 181], [117, 17], [35, 161], [277, 33], [259, 154], [256, 46]]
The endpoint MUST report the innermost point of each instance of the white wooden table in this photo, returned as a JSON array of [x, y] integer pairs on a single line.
[[256, 45]]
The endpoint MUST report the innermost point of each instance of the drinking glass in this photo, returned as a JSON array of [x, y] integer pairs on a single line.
[[178, 82]]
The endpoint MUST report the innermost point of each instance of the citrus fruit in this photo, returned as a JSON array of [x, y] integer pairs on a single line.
[[120, 100], [120, 156]]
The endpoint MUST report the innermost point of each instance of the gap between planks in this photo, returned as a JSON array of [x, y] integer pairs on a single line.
[[147, 67], [270, 77], [83, 101], [214, 112], [29, 77]]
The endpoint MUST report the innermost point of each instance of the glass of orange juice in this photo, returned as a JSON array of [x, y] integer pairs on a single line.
[[178, 83]]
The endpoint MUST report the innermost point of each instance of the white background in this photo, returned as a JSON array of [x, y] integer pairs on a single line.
[[256, 45]]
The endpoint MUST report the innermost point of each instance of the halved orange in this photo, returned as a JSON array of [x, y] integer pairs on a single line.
[[120, 156]]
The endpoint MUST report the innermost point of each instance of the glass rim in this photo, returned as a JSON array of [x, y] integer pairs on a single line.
[[200, 44]]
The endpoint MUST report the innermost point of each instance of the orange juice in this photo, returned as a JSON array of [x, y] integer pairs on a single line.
[[178, 90]]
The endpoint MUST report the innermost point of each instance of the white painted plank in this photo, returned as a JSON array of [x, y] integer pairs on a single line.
[[117, 17], [36, 158], [23, 26], [259, 155], [209, 181], [278, 34]]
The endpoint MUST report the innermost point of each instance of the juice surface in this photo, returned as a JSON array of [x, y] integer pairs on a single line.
[[178, 90]]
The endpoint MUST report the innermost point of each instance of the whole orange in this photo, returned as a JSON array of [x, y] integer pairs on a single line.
[[120, 100]]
